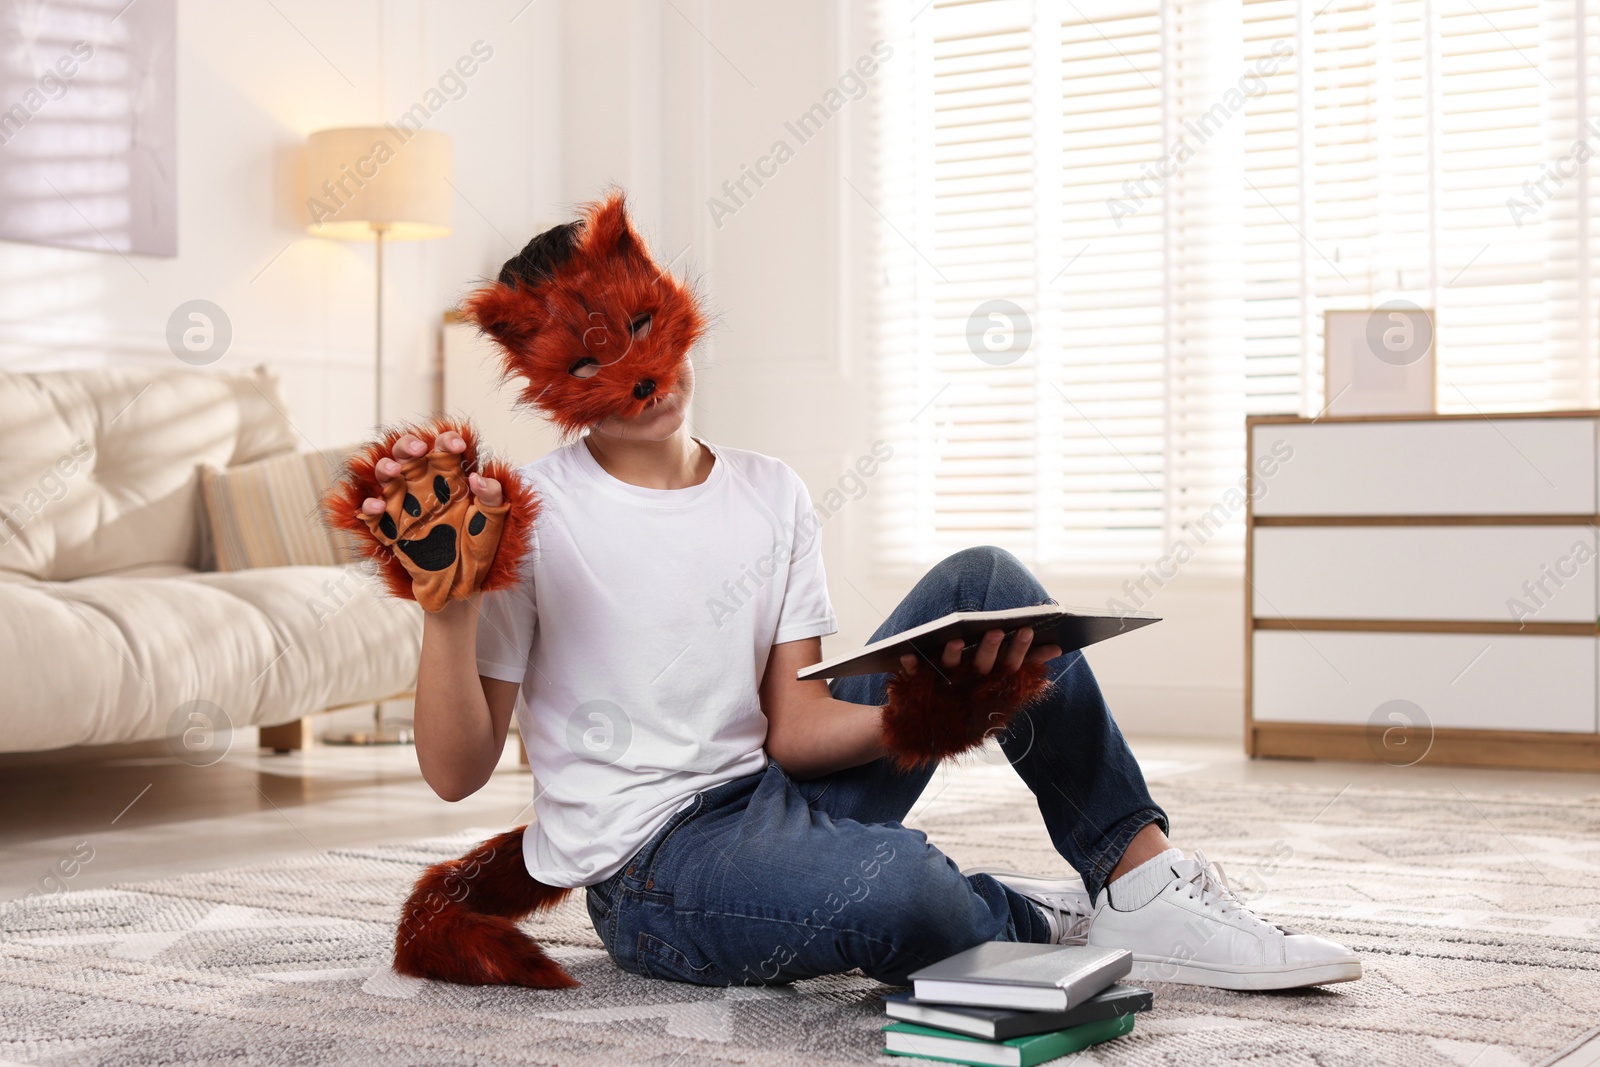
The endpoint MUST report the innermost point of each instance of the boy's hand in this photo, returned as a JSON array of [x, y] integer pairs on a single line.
[[443, 524], [421, 504], [935, 710], [486, 490], [1018, 651]]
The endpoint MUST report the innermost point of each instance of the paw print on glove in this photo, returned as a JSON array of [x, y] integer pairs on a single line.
[[444, 535]]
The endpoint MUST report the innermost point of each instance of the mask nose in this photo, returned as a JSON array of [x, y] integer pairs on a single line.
[[643, 389]]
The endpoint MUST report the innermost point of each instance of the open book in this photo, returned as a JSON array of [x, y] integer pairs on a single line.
[[1052, 625]]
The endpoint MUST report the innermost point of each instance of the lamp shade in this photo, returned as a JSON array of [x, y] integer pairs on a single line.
[[363, 180]]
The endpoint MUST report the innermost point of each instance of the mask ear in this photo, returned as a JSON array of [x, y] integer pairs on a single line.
[[609, 234], [511, 320]]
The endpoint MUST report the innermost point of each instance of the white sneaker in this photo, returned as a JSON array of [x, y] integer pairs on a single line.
[[1064, 901], [1194, 931]]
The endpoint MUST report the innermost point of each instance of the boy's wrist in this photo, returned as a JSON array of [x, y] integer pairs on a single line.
[[459, 615]]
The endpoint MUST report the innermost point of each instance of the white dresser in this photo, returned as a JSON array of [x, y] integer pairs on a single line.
[[1424, 588]]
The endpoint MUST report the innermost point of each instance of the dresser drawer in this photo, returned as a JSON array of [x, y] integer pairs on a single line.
[[1471, 681], [1432, 467], [1477, 573]]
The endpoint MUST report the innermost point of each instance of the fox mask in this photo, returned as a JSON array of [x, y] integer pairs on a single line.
[[586, 316]]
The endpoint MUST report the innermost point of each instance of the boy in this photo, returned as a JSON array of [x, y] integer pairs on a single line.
[[728, 822]]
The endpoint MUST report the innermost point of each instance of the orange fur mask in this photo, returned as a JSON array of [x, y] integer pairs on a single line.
[[586, 316]]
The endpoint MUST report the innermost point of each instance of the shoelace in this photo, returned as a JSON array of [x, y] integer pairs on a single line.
[[1072, 926], [1210, 886]]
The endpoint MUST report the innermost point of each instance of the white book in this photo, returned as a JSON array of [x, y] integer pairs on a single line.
[[1052, 624], [1022, 976]]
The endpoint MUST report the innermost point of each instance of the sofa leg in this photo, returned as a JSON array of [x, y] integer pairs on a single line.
[[287, 737]]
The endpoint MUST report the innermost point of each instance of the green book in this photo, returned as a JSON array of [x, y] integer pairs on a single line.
[[908, 1039]]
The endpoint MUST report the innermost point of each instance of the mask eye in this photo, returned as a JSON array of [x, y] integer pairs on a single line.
[[587, 367], [639, 328]]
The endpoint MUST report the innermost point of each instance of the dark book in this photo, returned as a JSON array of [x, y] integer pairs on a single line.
[[907, 1039], [1022, 976], [1001, 1024], [1052, 625]]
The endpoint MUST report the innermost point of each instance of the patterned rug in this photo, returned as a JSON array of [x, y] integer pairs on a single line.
[[1478, 919]]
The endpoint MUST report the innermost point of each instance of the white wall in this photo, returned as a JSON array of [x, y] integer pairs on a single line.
[[706, 89], [667, 100], [252, 83]]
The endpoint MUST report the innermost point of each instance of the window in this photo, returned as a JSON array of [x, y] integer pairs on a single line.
[[1107, 231], [1426, 152]]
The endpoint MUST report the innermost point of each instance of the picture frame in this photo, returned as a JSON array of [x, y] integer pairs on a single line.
[[90, 141], [1380, 361]]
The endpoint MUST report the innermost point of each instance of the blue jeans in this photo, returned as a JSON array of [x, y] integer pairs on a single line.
[[766, 880]]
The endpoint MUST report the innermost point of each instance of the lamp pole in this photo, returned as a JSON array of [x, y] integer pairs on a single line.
[[381, 733], [377, 356], [408, 198]]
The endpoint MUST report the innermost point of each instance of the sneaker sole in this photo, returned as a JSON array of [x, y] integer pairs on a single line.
[[1247, 979]]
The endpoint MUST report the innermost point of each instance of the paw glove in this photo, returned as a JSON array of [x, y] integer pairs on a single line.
[[940, 711], [434, 541]]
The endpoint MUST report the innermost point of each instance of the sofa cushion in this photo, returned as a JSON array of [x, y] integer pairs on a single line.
[[98, 467], [267, 513], [112, 659]]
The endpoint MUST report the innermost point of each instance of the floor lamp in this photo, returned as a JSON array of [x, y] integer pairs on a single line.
[[379, 184]]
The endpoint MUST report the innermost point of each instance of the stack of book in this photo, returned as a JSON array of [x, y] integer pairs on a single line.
[[1014, 1005]]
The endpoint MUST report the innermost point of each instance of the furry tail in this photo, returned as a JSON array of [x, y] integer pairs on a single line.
[[460, 923]]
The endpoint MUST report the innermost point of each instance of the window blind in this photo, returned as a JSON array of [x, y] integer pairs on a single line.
[[1389, 161], [1021, 159], [961, 227], [1166, 197]]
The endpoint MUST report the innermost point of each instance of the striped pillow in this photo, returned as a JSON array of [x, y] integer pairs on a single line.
[[264, 514]]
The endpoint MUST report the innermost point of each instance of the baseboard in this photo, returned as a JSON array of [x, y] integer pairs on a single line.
[[1445, 746], [1178, 710]]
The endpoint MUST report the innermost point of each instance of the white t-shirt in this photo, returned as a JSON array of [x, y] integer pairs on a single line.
[[640, 632]]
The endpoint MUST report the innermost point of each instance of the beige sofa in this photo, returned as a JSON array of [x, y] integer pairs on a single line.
[[110, 623]]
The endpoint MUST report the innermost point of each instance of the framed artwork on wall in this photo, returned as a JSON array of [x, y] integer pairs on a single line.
[[89, 125]]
